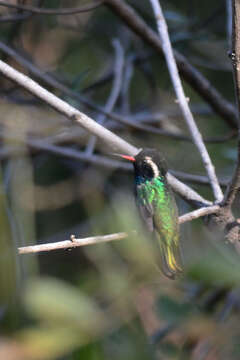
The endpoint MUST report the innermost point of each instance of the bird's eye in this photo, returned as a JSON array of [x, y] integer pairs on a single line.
[[147, 170]]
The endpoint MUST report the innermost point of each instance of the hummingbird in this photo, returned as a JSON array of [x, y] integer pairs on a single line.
[[157, 207]]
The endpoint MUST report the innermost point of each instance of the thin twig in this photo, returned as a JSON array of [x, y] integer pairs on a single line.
[[115, 91], [198, 213], [44, 11], [109, 138], [173, 71], [72, 243]]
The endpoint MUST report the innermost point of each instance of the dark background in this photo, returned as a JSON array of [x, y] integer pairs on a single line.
[[108, 301]]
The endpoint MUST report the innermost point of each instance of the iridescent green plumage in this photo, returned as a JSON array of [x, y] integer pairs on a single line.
[[158, 209]]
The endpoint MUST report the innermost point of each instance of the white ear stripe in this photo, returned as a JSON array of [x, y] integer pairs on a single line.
[[154, 166]]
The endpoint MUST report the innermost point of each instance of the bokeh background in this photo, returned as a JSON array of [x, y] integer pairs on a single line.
[[108, 301]]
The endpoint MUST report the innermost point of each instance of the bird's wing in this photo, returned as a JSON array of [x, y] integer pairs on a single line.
[[145, 208], [167, 233], [147, 216], [165, 219]]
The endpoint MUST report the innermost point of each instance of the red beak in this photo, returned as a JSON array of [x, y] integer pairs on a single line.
[[127, 157]]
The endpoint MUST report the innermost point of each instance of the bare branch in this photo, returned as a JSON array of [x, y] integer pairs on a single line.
[[72, 243], [43, 11], [221, 106], [198, 213], [173, 71], [115, 91]]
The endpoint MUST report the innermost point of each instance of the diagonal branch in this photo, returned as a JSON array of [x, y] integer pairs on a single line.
[[173, 71]]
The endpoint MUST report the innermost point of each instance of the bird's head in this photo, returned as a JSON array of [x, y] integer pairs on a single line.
[[148, 164]]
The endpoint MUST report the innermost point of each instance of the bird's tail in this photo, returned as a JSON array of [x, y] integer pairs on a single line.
[[171, 262]]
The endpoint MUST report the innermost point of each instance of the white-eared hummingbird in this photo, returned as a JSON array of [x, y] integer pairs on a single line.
[[158, 208]]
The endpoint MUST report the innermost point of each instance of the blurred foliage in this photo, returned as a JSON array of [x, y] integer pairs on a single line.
[[109, 301]]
